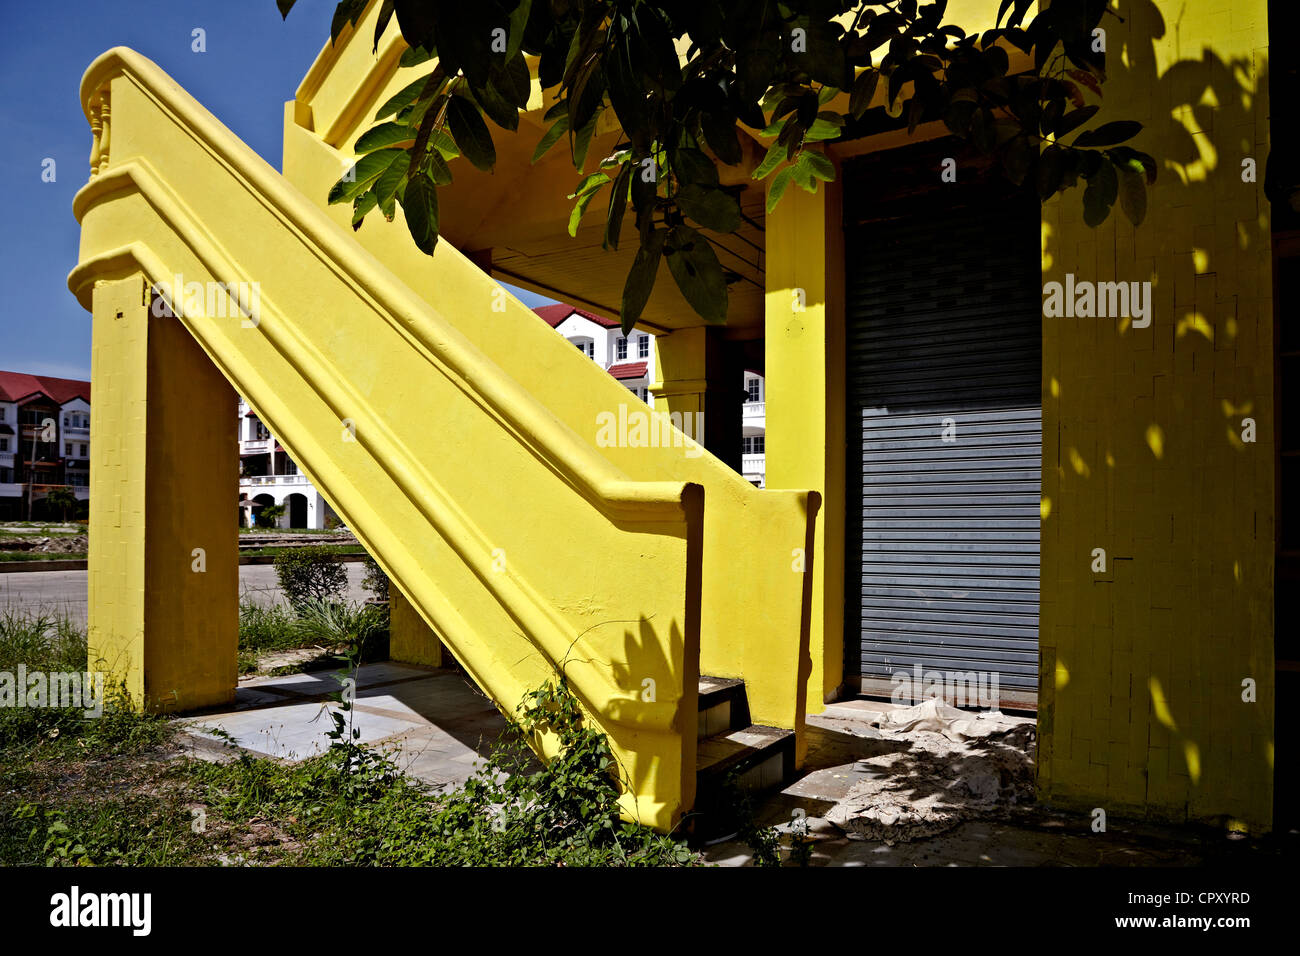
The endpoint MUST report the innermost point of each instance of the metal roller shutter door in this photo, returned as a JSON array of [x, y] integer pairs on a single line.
[[944, 322]]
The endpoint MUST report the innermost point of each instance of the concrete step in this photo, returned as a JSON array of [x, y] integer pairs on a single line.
[[757, 758], [761, 757], [723, 706]]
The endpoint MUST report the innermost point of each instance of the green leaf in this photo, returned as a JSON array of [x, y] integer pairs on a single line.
[[381, 22], [363, 206], [471, 133], [420, 203], [391, 178], [711, 208], [415, 55], [582, 140], [585, 193], [1099, 196], [497, 106], [693, 166], [437, 168], [347, 12], [720, 133], [514, 81], [1109, 134], [402, 98], [775, 156], [551, 136], [386, 134], [618, 197], [641, 278], [697, 272], [589, 183], [864, 90], [518, 21], [818, 165], [362, 175], [777, 189], [822, 130], [1074, 119]]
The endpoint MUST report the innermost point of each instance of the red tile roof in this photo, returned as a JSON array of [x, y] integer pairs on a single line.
[[17, 386], [628, 370], [555, 314]]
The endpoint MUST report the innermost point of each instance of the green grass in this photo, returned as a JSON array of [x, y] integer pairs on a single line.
[[118, 790], [256, 531], [42, 556], [272, 551]]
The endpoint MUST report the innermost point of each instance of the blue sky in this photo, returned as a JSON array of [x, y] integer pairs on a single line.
[[253, 63]]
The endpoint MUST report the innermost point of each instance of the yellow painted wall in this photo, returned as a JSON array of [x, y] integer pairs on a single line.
[[804, 379], [1142, 667], [410, 637], [163, 562]]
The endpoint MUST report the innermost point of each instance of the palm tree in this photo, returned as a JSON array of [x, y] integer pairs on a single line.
[[62, 499]]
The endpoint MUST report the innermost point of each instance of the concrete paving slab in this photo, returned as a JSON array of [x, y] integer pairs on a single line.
[[435, 724]]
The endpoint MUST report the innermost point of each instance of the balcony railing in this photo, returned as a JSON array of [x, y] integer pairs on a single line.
[[257, 446], [274, 480], [755, 409], [753, 464]]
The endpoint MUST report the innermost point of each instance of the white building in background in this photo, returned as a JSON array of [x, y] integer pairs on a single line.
[[44, 441], [753, 430], [631, 360], [268, 476]]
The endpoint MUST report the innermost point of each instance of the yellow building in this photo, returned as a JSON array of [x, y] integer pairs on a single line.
[[999, 442]]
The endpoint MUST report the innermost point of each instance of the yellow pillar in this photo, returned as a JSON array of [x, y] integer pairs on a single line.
[[698, 372], [163, 580], [804, 319], [410, 639]]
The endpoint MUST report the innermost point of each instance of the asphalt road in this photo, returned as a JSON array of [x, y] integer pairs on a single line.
[[64, 592]]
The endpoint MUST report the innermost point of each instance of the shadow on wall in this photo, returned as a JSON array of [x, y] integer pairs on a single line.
[[1163, 445]]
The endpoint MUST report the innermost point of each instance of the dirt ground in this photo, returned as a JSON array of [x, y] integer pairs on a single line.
[[874, 795]]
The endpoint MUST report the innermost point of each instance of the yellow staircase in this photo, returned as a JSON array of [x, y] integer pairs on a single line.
[[523, 543]]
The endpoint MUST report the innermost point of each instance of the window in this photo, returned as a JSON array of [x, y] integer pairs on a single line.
[[4, 444], [3, 411], [620, 349], [79, 479], [67, 449], [587, 348], [643, 347], [67, 421], [753, 444], [83, 451], [751, 387]]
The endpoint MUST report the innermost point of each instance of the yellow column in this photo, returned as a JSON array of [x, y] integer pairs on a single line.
[[410, 639], [163, 555], [805, 400], [699, 372]]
